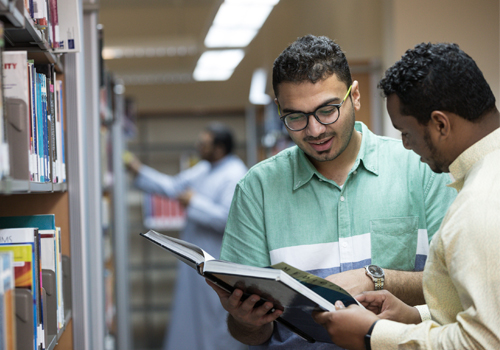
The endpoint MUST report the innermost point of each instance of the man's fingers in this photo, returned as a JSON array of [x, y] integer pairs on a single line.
[[321, 317]]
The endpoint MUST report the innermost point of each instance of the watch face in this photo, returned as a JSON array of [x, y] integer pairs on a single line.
[[375, 271]]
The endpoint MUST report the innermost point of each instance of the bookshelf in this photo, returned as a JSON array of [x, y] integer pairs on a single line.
[[76, 203]]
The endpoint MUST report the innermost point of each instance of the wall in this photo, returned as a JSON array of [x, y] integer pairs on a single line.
[[474, 25]]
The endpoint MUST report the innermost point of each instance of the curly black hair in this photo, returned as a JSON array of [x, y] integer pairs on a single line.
[[310, 58], [432, 77]]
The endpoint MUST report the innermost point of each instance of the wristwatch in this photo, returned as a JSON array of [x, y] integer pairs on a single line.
[[376, 273]]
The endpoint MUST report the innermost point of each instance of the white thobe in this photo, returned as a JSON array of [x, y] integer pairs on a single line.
[[198, 321]]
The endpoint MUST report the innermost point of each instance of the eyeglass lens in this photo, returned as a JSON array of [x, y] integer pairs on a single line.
[[325, 115]]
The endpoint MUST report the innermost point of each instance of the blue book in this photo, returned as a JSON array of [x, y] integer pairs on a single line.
[[41, 156], [43, 86]]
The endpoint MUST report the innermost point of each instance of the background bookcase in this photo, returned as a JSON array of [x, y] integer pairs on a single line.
[[78, 204]]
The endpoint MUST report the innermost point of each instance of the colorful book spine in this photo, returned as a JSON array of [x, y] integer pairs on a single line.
[[7, 302]]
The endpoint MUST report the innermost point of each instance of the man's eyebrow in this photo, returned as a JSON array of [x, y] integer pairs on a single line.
[[329, 101]]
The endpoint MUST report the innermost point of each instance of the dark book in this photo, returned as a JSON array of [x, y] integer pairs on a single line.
[[294, 291]]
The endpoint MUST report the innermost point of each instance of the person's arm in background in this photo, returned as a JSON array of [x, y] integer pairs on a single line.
[[150, 180], [212, 210]]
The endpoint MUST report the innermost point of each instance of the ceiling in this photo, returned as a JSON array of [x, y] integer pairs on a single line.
[[162, 40]]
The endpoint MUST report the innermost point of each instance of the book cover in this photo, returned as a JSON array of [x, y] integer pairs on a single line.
[[7, 302], [15, 84], [50, 248], [23, 243], [4, 146], [296, 292], [69, 26], [34, 123], [60, 144]]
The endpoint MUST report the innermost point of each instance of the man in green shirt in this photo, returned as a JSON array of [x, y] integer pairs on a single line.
[[340, 200]]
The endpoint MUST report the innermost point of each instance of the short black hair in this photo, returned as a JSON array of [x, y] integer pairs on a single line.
[[223, 136], [311, 58], [438, 77]]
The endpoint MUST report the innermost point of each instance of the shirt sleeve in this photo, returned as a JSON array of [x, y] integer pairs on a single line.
[[152, 181], [206, 211], [244, 238], [425, 314]]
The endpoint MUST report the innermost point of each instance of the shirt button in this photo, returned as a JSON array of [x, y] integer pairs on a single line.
[[342, 198], [355, 172], [344, 244]]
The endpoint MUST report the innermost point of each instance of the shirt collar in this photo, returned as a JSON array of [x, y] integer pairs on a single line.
[[465, 161], [303, 169]]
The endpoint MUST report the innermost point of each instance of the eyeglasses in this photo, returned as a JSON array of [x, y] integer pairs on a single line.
[[327, 114]]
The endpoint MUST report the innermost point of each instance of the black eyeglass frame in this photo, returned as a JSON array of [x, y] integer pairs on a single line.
[[283, 117]]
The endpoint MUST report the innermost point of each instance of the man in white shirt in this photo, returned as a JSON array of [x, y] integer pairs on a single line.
[[439, 100], [206, 191]]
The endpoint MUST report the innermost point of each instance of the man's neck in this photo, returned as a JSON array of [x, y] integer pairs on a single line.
[[473, 132], [338, 168]]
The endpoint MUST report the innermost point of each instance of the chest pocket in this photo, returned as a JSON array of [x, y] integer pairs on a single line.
[[394, 242]]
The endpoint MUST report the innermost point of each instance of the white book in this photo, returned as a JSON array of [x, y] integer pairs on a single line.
[[16, 93], [69, 26]]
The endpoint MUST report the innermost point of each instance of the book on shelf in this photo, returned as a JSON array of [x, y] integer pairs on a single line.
[[34, 125], [294, 291], [7, 302], [15, 89], [61, 163], [162, 213], [69, 26], [24, 244], [51, 259], [4, 146]]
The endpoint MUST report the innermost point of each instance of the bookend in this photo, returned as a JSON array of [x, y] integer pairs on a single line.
[[49, 284], [24, 319]]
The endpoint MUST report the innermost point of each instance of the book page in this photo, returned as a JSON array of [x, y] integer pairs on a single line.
[[321, 286]]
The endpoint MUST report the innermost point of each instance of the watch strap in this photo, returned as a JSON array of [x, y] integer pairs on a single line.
[[379, 283], [368, 336]]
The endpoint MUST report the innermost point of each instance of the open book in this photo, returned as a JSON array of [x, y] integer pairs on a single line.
[[294, 291]]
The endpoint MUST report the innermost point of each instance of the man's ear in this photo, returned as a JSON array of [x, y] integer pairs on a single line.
[[356, 95], [440, 124], [278, 105]]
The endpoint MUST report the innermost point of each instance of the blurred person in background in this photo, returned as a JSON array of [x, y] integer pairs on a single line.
[[205, 191]]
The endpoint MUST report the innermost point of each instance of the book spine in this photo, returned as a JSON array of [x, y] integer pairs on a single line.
[[40, 122]]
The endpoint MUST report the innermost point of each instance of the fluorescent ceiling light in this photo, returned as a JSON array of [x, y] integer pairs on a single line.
[[258, 94], [237, 22], [236, 15], [228, 37], [137, 51], [253, 2], [217, 65]]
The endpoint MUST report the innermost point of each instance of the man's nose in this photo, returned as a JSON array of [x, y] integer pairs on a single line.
[[314, 127]]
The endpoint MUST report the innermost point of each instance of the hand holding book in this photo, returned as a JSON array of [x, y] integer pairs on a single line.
[[293, 292]]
